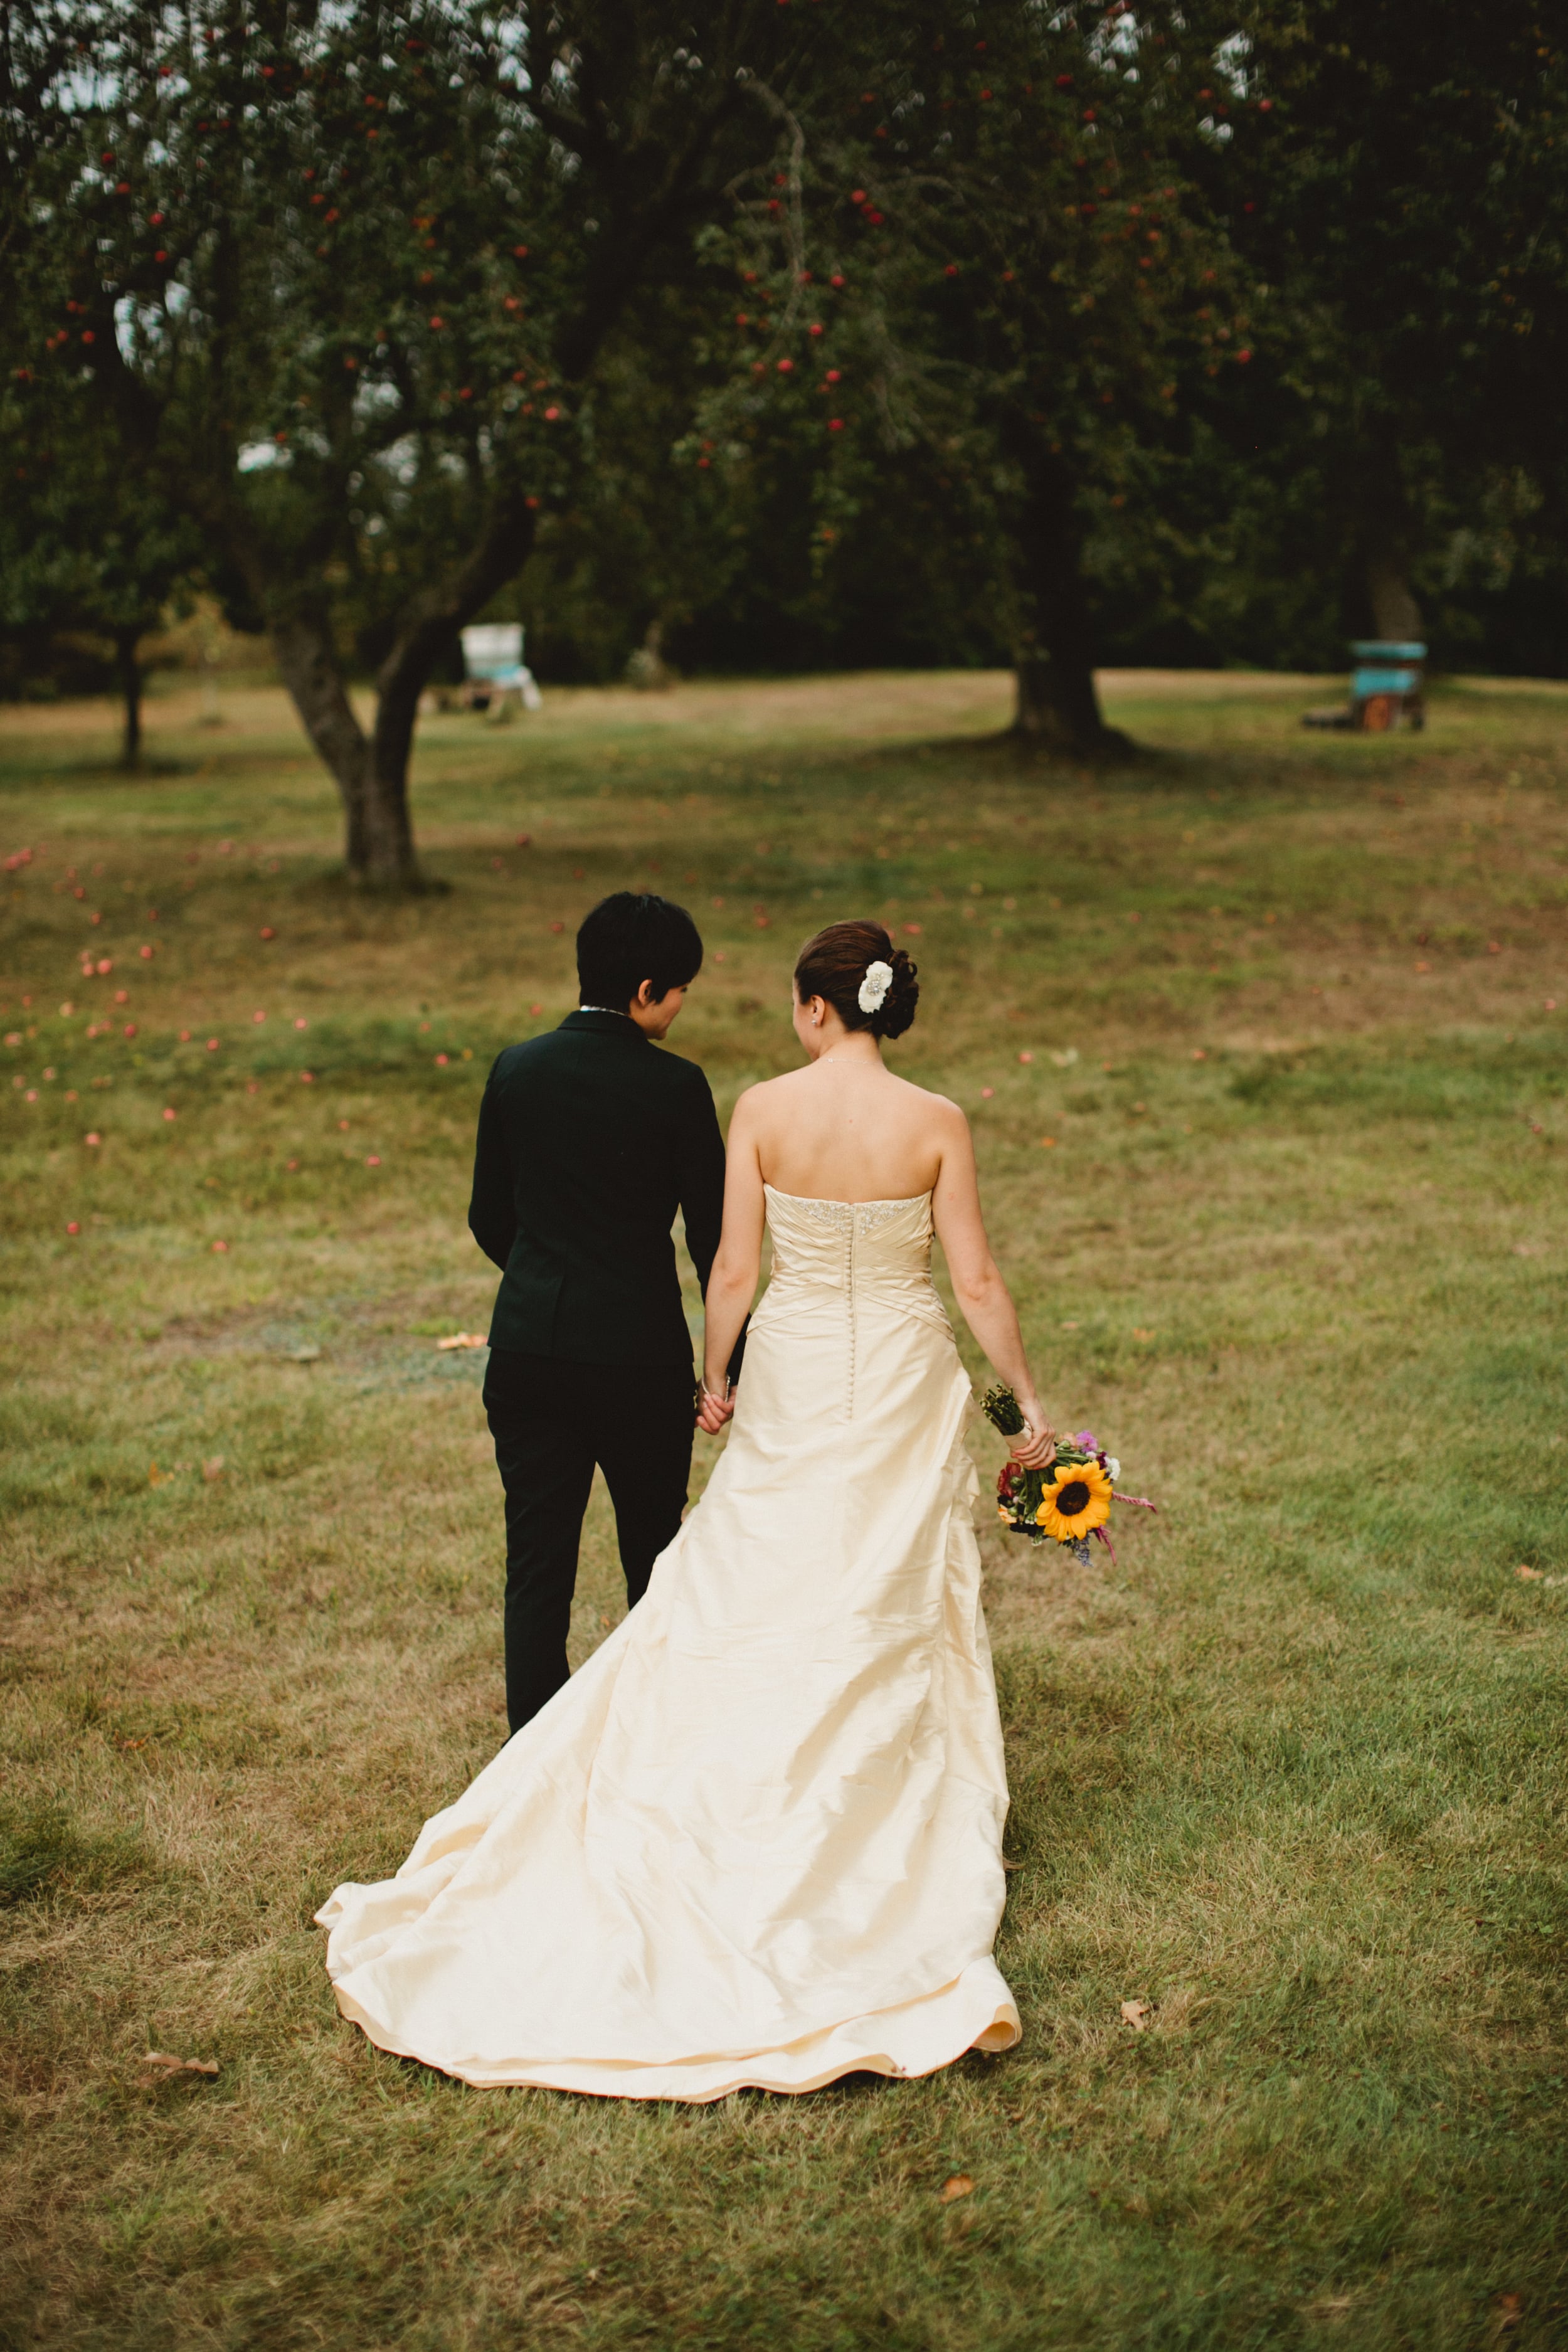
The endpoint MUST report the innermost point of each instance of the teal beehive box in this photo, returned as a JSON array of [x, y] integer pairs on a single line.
[[1387, 685]]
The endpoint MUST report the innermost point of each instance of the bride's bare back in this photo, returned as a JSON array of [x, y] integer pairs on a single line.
[[846, 1129]]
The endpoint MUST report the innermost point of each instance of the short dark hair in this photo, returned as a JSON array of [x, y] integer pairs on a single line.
[[833, 965], [630, 937]]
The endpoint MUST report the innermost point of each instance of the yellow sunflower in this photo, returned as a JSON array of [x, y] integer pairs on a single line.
[[1078, 1499]]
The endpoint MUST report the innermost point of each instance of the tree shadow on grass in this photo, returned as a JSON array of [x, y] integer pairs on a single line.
[[1005, 757]]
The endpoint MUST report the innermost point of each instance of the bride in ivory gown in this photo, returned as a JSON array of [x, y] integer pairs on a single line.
[[756, 1840]]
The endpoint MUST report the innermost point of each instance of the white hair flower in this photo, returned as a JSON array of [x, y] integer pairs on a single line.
[[875, 986]]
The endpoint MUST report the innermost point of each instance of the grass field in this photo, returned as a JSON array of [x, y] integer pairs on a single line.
[[1264, 1043]]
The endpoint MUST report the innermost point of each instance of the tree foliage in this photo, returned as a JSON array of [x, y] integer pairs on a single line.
[[1404, 202], [808, 324], [87, 545], [1001, 257], [344, 284]]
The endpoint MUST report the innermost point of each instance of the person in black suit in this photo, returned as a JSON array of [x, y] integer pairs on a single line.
[[589, 1141]]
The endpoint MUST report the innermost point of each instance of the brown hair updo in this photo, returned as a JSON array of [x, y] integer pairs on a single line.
[[833, 966]]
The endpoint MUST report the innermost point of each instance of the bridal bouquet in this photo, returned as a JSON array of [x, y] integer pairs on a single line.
[[1071, 1498]]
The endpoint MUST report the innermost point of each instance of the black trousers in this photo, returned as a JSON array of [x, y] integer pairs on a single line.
[[552, 1421]]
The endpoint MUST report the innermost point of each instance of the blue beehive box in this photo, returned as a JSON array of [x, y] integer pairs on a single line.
[[1387, 685]]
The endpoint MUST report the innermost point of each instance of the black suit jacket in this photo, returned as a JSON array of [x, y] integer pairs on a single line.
[[591, 1137]]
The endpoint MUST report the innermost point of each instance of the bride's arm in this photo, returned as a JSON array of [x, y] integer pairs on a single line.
[[732, 1281], [978, 1286]]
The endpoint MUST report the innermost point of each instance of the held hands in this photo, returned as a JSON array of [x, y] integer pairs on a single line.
[[714, 1410], [1037, 1441]]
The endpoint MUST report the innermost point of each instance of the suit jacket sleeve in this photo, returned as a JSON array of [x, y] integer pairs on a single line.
[[702, 1196], [492, 1211], [702, 1179]]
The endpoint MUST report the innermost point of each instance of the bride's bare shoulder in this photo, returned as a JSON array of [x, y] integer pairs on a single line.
[[936, 1107], [779, 1089], [756, 1101]]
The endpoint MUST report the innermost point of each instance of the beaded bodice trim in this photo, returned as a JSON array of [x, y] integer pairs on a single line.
[[852, 1216]]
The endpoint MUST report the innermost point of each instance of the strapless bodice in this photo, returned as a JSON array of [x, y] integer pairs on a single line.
[[859, 1271], [844, 1245]]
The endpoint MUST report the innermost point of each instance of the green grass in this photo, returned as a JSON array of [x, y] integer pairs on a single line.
[[1291, 1770]]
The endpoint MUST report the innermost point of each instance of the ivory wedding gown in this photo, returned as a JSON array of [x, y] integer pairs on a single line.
[[756, 1839]]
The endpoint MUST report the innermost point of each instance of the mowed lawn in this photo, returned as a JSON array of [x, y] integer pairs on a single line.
[[1264, 1040]]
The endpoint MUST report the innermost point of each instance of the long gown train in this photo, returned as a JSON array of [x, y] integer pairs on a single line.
[[756, 1839]]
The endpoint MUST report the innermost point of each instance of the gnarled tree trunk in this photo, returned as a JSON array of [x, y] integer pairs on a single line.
[[1058, 706], [1058, 709], [307, 658], [128, 675], [1395, 611], [372, 771], [1387, 535]]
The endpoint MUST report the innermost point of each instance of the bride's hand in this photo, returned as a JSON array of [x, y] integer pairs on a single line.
[[713, 1412], [1035, 1441]]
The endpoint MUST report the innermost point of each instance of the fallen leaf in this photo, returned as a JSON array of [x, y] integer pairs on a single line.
[[305, 1355], [1509, 2310], [956, 2185], [1136, 2015], [172, 2065], [1011, 1866], [212, 1467], [464, 1340], [1530, 1575]]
